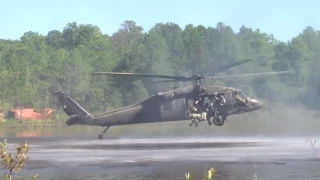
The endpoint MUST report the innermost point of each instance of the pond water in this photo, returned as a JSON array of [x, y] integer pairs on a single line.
[[144, 153]]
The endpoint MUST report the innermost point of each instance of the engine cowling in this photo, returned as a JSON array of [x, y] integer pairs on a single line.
[[180, 92], [188, 91], [165, 95]]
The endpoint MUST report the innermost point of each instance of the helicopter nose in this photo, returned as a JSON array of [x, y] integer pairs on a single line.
[[256, 104]]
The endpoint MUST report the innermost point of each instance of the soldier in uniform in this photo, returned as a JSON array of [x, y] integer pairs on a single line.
[[195, 111], [218, 100], [207, 108], [240, 100], [203, 110], [221, 100], [194, 116]]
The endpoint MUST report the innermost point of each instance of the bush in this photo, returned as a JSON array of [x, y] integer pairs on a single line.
[[207, 177], [13, 164]]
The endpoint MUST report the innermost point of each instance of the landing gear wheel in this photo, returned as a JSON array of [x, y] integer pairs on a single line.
[[103, 132], [100, 137], [218, 121]]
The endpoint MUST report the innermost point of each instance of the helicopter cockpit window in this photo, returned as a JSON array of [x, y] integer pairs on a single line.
[[244, 95]]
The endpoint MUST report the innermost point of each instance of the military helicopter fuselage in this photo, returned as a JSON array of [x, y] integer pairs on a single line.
[[168, 106], [162, 107]]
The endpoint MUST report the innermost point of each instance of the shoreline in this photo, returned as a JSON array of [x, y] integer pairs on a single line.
[[28, 123]]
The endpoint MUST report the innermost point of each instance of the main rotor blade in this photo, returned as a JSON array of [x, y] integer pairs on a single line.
[[166, 81], [141, 75], [243, 61], [250, 74]]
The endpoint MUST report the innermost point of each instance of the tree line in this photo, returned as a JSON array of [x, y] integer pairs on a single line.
[[35, 65]]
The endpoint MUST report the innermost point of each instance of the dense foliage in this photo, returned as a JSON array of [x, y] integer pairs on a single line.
[[35, 65]]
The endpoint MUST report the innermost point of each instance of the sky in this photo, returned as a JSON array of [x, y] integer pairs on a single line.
[[284, 19]]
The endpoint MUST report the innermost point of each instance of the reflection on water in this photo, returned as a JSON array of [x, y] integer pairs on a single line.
[[6, 132], [25, 132], [33, 133], [143, 130]]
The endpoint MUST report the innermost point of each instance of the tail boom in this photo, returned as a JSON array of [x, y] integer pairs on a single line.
[[77, 114]]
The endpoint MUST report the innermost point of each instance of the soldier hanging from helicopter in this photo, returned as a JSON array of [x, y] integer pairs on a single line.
[[198, 112], [204, 110], [207, 109], [217, 100], [194, 111]]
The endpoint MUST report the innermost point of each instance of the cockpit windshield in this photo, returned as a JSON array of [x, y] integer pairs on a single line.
[[243, 95]]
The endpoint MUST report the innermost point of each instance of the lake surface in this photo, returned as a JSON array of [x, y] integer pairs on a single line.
[[132, 153]]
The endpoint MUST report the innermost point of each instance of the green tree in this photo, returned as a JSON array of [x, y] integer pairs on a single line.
[[35, 65]]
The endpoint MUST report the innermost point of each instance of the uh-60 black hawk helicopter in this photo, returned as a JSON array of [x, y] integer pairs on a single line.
[[166, 106]]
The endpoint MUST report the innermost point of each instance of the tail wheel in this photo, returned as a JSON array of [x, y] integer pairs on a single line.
[[100, 137], [103, 132]]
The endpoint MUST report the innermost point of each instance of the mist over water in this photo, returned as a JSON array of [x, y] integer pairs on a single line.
[[248, 146], [266, 144], [280, 121]]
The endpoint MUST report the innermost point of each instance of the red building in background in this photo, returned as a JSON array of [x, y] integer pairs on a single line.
[[31, 113]]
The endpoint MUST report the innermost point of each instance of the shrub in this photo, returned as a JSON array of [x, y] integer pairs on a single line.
[[13, 164], [207, 177]]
